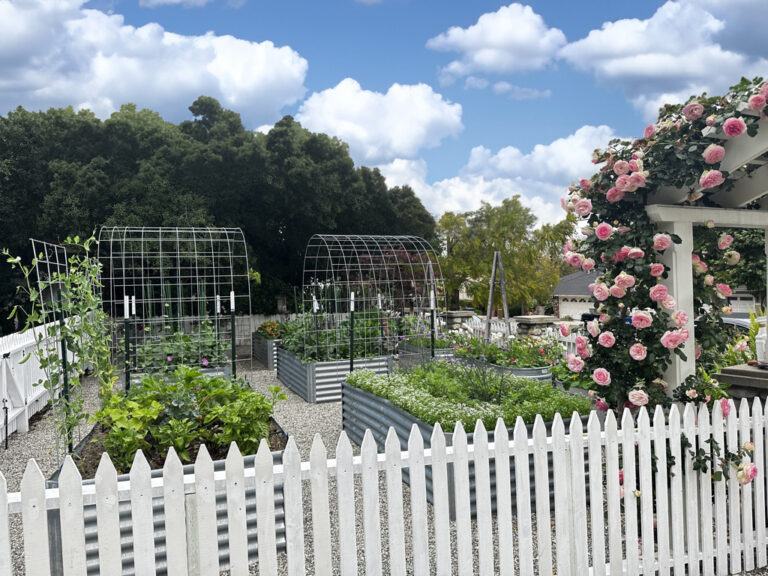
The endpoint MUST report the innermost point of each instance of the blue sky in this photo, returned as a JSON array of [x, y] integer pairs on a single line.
[[463, 100]]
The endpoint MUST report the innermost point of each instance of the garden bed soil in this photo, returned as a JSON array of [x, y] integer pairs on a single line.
[[87, 454]]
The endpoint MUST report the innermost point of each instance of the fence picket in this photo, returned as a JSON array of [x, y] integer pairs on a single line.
[[613, 493], [483, 500], [175, 516], [734, 508], [676, 492], [461, 499], [504, 498], [705, 493], [745, 435], [321, 519], [236, 521], [6, 565], [721, 514], [646, 491], [596, 515], [630, 500], [543, 516], [71, 517], [691, 492], [294, 506], [265, 509], [759, 489], [443, 556], [419, 528], [395, 522], [35, 521], [141, 515], [662, 500], [523, 498], [578, 496], [562, 496]]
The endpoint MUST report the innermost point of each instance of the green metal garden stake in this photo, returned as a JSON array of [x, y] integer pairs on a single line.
[[64, 371]]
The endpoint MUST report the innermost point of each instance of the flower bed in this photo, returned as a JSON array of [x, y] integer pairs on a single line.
[[373, 402], [525, 357], [321, 381], [410, 354]]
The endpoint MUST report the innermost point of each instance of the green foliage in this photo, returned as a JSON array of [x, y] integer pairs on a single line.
[[271, 329], [171, 349], [448, 392], [184, 410], [520, 352]]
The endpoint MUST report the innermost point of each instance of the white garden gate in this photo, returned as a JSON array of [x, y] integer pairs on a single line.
[[675, 520]]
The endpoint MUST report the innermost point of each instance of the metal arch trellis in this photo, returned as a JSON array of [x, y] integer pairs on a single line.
[[184, 281], [395, 279]]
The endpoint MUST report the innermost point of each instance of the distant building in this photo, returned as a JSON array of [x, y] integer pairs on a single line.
[[572, 296]]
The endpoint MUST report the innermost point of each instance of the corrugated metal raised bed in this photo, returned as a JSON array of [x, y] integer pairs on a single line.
[[543, 373], [158, 512], [362, 410], [321, 381], [410, 355], [265, 350]]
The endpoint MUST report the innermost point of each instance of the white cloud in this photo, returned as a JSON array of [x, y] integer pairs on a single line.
[[187, 3], [686, 47], [476, 83], [518, 92], [59, 53], [512, 39], [382, 126]]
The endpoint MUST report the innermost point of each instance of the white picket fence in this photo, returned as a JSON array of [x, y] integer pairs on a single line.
[[19, 391], [676, 520], [499, 328]]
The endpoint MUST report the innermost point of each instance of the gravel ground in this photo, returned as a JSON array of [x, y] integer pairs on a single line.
[[299, 419]]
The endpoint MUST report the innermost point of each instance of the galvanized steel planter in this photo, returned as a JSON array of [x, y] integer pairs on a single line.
[[321, 381], [158, 512], [543, 373], [362, 410], [410, 355], [265, 350]]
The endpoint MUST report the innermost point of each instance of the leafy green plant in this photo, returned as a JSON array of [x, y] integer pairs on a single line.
[[170, 348], [520, 352], [271, 329]]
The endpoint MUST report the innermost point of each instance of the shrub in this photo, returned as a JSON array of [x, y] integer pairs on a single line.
[[521, 352], [271, 330]]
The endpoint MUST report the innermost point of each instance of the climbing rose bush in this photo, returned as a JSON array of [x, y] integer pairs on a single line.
[[640, 327]]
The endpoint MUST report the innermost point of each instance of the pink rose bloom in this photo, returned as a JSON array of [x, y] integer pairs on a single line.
[[580, 341], [669, 302], [725, 406], [593, 328], [614, 195], [637, 180], [604, 231], [601, 292], [698, 355], [746, 473], [764, 90], [583, 207], [574, 363], [672, 339], [623, 229], [567, 247], [585, 184], [633, 166], [699, 266], [649, 131], [601, 405], [681, 318], [658, 292], [617, 291], [601, 376], [624, 280], [603, 318], [757, 102], [565, 330], [692, 394], [563, 204], [724, 241], [741, 345], [606, 339], [709, 280], [641, 320], [635, 253], [657, 270], [588, 264], [685, 334], [727, 310], [723, 290], [584, 351], [734, 127], [574, 259], [713, 154], [622, 254], [693, 111], [732, 257], [623, 183], [638, 352], [621, 167], [662, 242], [638, 397], [711, 179]]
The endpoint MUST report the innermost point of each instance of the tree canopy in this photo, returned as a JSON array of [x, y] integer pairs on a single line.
[[65, 173]]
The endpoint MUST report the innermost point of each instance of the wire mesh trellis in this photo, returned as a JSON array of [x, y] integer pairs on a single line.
[[183, 281], [396, 281]]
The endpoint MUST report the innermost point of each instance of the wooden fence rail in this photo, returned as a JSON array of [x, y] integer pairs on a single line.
[[659, 515]]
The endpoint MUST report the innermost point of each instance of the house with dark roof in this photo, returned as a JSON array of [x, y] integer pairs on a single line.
[[572, 296]]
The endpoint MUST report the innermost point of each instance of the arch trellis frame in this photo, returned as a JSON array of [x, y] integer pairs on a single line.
[[181, 279], [391, 277]]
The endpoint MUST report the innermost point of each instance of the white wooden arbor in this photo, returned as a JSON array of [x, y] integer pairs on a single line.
[[746, 161]]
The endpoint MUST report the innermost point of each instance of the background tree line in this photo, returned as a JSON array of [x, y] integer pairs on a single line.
[[64, 173]]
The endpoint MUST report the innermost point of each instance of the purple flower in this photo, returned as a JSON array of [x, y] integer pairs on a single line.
[[205, 362], [170, 358]]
